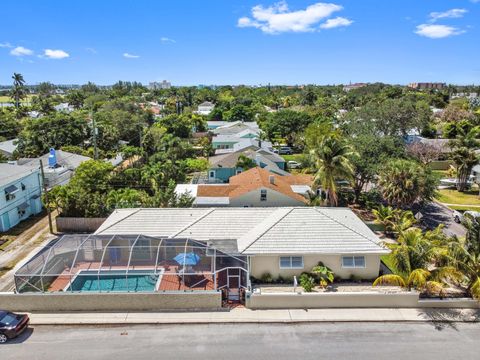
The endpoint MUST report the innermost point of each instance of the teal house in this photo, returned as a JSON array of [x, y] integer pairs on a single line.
[[20, 191]]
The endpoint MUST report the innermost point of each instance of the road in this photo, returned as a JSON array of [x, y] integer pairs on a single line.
[[357, 341], [435, 214]]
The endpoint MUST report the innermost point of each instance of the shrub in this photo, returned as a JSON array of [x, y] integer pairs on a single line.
[[324, 274], [266, 278], [307, 282]]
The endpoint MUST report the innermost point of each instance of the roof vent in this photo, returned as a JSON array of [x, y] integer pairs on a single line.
[[271, 178]]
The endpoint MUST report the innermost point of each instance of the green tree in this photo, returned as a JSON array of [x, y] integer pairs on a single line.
[[332, 159], [287, 124], [245, 163], [19, 91], [405, 182], [464, 155]]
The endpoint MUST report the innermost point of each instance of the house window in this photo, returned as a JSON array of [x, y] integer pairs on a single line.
[[263, 195], [211, 174], [238, 171], [353, 261], [291, 262]]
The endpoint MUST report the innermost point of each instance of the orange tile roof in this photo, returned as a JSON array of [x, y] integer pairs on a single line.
[[253, 179]]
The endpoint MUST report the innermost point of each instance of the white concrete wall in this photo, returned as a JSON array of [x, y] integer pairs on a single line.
[[274, 199], [352, 300], [260, 264]]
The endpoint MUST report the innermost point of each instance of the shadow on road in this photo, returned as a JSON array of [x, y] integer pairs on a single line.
[[19, 339]]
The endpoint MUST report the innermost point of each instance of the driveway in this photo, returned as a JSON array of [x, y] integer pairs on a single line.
[[359, 341], [435, 214]]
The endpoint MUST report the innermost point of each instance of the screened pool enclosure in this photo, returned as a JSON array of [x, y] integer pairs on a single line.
[[130, 263]]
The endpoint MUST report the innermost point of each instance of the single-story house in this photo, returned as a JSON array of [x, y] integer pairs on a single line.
[[20, 190], [283, 241], [237, 127], [8, 147], [205, 108], [255, 187], [224, 166], [58, 166]]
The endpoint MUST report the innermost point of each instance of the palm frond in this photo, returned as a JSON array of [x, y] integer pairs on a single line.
[[390, 279], [418, 278]]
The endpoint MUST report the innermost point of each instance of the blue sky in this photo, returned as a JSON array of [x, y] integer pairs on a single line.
[[192, 42]]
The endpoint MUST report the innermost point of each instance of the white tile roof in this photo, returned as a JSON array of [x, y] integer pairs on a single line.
[[289, 230]]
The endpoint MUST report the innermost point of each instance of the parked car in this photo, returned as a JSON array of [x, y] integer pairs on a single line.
[[285, 150], [12, 325], [459, 215], [294, 164]]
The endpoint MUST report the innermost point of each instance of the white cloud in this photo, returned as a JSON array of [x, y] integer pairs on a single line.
[[437, 31], [166, 40], [21, 51], [449, 14], [130, 56], [55, 54], [278, 18], [336, 22], [6, 45]]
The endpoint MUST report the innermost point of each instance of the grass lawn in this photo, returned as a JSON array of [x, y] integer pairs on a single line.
[[294, 157], [465, 208], [6, 99], [387, 260], [451, 196]]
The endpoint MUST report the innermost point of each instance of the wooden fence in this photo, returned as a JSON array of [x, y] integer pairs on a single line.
[[78, 225]]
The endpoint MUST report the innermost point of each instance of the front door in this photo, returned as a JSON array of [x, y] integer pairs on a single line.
[[233, 284]]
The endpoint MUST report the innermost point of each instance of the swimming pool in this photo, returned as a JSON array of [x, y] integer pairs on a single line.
[[115, 281]]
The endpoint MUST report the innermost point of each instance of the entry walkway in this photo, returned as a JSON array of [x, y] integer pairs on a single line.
[[242, 315]]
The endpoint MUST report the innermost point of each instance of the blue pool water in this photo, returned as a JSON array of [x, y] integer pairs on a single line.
[[138, 280]]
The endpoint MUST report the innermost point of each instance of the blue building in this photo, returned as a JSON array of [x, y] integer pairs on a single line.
[[20, 191]]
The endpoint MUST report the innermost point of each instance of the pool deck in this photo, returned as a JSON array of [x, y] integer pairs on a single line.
[[202, 280]]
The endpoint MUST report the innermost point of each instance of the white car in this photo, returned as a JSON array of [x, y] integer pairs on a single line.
[[459, 216], [294, 164]]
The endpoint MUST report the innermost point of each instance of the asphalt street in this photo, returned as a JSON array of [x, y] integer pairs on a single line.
[[250, 341], [435, 214]]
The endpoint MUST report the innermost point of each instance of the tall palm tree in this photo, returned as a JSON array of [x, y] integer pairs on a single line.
[[19, 91], [464, 155], [332, 158], [418, 261]]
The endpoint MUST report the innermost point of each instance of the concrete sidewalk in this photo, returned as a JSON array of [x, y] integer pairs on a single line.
[[242, 315]]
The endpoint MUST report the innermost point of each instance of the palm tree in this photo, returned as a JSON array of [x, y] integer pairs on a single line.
[[464, 154], [245, 163], [412, 255], [332, 158], [18, 91]]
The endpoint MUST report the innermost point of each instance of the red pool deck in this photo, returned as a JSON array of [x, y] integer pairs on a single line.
[[202, 280]]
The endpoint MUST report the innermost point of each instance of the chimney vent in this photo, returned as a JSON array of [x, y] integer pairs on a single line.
[[271, 178]]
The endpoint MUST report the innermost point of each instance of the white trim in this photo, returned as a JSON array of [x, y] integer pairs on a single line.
[[291, 267], [354, 265]]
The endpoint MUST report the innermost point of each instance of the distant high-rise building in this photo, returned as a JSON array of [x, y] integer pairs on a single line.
[[351, 86], [427, 85], [160, 85]]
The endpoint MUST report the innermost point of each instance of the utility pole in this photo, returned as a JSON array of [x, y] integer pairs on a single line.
[[95, 133], [47, 202]]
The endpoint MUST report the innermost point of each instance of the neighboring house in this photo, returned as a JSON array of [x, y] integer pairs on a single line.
[[441, 144], [20, 190], [224, 166], [279, 241], [427, 85], [8, 147], [212, 125], [237, 127], [58, 166], [205, 108], [253, 188], [64, 107]]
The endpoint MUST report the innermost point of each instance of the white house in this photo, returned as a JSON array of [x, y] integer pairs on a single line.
[[283, 241], [205, 108]]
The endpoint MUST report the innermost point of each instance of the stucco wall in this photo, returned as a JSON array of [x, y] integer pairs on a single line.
[[332, 300], [352, 300], [274, 199], [111, 302], [260, 264]]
